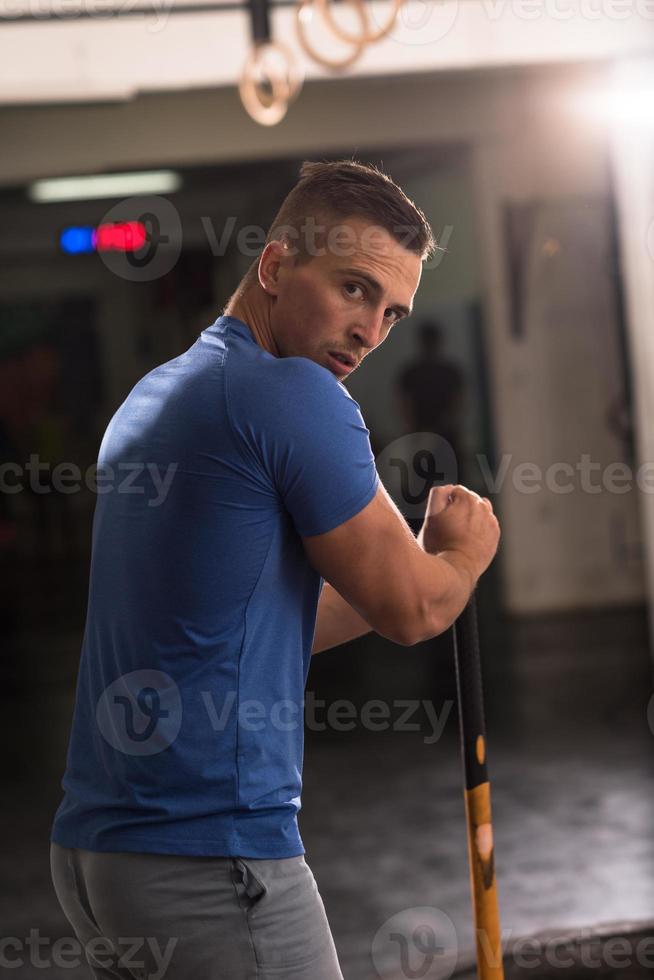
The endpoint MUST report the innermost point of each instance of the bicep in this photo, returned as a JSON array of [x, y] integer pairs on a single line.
[[368, 559]]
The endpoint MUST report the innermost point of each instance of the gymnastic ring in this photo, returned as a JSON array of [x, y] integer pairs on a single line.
[[303, 13], [264, 108], [325, 7]]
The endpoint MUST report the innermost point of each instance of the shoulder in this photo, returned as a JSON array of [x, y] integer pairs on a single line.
[[284, 385], [308, 376]]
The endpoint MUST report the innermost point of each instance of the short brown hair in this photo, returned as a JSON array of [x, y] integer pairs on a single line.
[[332, 191]]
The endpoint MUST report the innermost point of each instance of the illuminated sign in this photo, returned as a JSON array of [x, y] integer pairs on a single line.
[[118, 236]]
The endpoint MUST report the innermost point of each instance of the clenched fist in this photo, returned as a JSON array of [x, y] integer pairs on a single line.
[[457, 519]]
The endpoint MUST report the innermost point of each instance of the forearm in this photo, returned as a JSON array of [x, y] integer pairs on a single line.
[[446, 581], [336, 622]]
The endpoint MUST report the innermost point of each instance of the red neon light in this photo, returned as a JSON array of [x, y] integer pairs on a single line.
[[121, 236]]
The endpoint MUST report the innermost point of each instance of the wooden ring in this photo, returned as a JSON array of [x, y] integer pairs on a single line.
[[325, 7], [269, 107], [303, 15]]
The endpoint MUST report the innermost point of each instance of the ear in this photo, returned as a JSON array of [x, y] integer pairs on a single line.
[[274, 255]]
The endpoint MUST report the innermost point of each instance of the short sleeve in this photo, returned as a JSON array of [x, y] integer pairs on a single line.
[[317, 447]]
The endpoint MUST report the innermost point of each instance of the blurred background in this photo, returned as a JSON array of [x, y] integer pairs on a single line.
[[525, 131]]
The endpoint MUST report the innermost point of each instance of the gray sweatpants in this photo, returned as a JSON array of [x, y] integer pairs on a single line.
[[162, 916]]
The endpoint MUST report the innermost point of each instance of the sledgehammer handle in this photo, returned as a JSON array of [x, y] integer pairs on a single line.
[[477, 795]]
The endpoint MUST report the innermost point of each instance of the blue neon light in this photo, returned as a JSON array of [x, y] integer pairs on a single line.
[[77, 241]]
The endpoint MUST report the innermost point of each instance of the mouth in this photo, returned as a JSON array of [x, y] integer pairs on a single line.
[[341, 363]]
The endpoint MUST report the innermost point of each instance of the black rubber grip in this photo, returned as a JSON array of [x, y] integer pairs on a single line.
[[471, 698], [260, 14]]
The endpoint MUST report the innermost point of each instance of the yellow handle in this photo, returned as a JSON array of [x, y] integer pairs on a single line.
[[482, 882]]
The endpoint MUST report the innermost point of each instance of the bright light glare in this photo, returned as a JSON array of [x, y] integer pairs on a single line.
[[624, 106], [87, 188]]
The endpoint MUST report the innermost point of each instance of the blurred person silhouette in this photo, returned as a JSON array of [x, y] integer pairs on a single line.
[[252, 531], [430, 390]]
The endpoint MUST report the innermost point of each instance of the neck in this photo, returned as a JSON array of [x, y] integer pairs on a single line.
[[254, 307]]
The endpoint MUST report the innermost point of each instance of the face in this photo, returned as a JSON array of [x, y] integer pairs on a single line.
[[343, 303]]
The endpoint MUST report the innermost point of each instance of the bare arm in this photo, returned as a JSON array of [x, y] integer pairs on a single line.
[[336, 622], [408, 590]]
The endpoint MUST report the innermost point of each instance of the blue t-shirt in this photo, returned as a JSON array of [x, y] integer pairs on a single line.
[[188, 729]]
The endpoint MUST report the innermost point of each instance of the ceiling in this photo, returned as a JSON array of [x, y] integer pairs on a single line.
[[113, 53]]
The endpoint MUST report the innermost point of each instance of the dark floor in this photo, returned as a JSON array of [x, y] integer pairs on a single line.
[[571, 763]]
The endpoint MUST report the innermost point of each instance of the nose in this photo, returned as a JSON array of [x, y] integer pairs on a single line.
[[368, 333]]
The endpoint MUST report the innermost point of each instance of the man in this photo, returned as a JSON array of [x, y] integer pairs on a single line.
[[183, 780]]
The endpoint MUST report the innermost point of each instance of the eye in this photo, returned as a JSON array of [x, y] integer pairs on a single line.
[[389, 313], [353, 285]]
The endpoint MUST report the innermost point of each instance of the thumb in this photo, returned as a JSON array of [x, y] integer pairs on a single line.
[[438, 500]]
